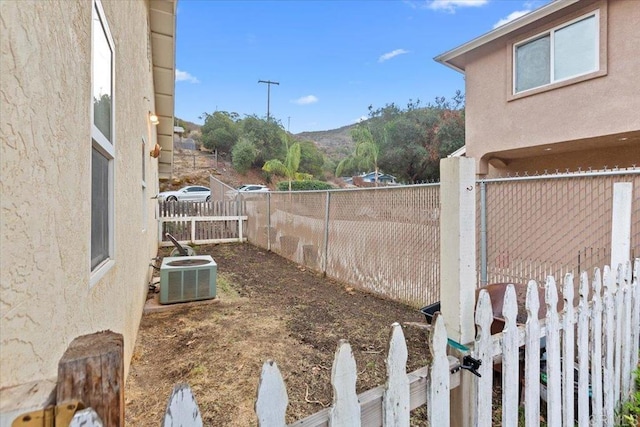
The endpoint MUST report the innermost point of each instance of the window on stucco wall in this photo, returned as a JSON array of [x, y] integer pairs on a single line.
[[564, 52], [102, 144]]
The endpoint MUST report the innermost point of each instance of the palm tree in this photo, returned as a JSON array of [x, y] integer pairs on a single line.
[[289, 168], [365, 155]]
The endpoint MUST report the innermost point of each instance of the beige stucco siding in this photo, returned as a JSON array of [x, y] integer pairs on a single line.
[[45, 157], [603, 105]]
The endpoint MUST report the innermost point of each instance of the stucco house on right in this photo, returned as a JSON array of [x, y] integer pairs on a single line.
[[558, 88]]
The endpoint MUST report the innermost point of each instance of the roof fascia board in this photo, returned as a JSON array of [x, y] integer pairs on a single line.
[[502, 30]]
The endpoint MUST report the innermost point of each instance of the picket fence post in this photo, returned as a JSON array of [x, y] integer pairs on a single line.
[[583, 352], [346, 408], [396, 396], [532, 357], [438, 399], [596, 348], [608, 326], [510, 359], [635, 308], [484, 352], [568, 356], [182, 409], [626, 346], [272, 401], [554, 392]]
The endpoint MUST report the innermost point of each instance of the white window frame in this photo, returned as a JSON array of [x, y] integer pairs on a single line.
[[551, 33], [103, 145]]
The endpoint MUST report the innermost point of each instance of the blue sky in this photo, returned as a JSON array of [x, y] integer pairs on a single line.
[[332, 58]]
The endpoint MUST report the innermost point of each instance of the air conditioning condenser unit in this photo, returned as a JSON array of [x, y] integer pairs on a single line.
[[187, 278]]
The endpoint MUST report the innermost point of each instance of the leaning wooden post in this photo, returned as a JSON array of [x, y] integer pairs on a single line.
[[91, 370], [458, 268], [621, 224]]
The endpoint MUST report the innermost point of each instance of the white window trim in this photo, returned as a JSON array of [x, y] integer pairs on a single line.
[[550, 32], [105, 147]]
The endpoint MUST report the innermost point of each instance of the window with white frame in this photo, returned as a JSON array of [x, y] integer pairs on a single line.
[[102, 139], [564, 52]]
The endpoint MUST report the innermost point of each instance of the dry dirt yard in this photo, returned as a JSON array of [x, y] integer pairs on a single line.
[[269, 308]]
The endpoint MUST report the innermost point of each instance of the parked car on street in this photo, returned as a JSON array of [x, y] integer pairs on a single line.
[[192, 193], [247, 188]]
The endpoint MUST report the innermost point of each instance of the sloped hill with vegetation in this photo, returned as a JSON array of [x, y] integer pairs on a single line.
[[334, 143]]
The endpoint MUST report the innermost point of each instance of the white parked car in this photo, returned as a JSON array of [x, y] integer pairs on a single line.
[[192, 193], [247, 188]]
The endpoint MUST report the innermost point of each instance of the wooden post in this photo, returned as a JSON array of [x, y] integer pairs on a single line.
[[621, 224], [92, 371], [458, 269]]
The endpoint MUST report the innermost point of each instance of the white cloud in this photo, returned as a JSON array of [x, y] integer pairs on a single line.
[[392, 54], [452, 5], [183, 76], [305, 100], [513, 15]]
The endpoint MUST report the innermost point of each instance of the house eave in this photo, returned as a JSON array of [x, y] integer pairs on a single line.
[[162, 20], [448, 57]]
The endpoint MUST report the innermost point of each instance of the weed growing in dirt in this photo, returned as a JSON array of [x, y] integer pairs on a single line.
[[225, 287], [630, 410]]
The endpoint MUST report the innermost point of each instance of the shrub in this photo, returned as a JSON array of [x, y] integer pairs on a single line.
[[244, 153], [304, 185]]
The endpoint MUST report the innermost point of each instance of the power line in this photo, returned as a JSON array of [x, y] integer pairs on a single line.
[[269, 83]]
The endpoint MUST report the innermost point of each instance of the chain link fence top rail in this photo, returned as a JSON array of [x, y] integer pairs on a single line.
[[541, 226], [220, 190], [384, 240]]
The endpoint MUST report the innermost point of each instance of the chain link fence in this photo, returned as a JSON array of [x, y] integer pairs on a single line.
[[533, 227], [387, 240], [384, 240]]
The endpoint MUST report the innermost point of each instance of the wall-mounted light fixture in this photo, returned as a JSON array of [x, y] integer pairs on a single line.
[[153, 119], [156, 151]]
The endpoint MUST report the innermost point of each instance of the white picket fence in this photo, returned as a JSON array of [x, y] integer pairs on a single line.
[[604, 327]]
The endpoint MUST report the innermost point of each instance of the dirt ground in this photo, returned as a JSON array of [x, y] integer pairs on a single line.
[[269, 308]]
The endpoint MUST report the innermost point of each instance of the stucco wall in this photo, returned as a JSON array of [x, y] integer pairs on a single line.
[[600, 106], [46, 299]]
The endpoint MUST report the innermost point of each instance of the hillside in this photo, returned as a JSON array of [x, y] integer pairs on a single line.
[[335, 143]]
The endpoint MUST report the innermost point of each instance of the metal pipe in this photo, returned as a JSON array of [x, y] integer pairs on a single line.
[[483, 233], [326, 234], [269, 222]]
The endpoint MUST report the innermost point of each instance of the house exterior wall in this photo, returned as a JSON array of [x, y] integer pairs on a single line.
[[606, 104], [46, 299]]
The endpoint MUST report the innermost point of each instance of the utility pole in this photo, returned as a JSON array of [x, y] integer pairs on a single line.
[[288, 122], [269, 83]]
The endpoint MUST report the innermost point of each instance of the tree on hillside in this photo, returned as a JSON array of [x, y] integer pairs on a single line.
[[288, 168], [269, 138], [243, 155], [220, 131], [365, 154], [311, 159]]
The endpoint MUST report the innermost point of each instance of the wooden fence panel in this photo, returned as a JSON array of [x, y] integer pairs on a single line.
[[596, 348], [568, 352], [532, 357], [272, 401], [583, 351], [396, 396], [554, 392], [484, 353], [510, 359], [438, 389], [617, 338]]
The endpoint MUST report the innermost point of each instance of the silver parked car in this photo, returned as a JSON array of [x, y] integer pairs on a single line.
[[192, 193]]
